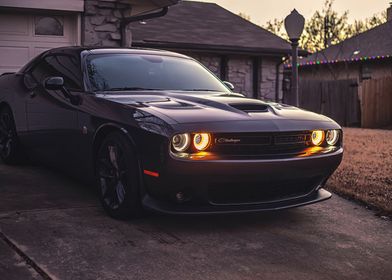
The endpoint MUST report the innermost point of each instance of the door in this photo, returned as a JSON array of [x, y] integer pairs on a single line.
[[52, 130], [23, 36]]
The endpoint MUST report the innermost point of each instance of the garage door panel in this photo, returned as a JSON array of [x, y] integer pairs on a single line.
[[19, 43], [38, 49], [13, 56], [13, 25]]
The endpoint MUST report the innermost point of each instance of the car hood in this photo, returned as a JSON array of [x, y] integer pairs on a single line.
[[213, 107]]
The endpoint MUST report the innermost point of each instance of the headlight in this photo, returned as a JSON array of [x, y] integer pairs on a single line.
[[317, 137], [332, 137], [181, 142], [201, 141]]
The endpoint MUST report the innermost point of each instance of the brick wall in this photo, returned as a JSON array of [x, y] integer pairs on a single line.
[[101, 22]]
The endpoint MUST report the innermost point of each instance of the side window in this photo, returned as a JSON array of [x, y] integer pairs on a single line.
[[65, 66], [40, 71], [68, 67]]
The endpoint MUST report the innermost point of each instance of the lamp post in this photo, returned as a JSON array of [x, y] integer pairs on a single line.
[[294, 24]]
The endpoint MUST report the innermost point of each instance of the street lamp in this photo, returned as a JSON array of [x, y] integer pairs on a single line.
[[294, 24]]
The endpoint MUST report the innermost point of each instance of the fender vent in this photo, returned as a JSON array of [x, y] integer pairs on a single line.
[[250, 108]]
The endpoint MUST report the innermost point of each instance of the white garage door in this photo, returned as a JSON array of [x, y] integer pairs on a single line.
[[24, 36]]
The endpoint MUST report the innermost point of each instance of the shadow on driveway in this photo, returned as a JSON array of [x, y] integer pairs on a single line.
[[59, 226]]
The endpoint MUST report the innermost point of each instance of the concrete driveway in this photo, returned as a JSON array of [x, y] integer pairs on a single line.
[[53, 228]]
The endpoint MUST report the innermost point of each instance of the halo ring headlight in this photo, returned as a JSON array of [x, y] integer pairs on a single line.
[[332, 137], [317, 137], [201, 141], [181, 142]]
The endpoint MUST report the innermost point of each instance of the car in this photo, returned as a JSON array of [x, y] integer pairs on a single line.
[[157, 130]]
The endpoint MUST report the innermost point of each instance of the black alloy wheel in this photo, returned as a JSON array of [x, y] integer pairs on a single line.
[[118, 177], [10, 151]]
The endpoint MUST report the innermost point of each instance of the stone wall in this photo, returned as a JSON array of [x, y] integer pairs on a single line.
[[212, 62], [101, 22], [268, 79], [240, 74]]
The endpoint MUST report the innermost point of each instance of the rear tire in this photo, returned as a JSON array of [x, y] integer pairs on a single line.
[[118, 177], [10, 148]]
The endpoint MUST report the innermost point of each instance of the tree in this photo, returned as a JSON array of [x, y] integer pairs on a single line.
[[327, 27]]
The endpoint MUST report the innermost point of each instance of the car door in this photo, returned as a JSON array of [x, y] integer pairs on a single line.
[[51, 116]]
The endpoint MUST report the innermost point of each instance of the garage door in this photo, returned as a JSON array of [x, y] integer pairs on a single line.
[[24, 36]]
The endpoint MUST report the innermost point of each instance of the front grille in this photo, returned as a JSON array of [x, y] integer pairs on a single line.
[[261, 192], [261, 144]]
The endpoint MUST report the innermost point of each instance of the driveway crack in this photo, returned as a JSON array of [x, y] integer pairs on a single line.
[[25, 257]]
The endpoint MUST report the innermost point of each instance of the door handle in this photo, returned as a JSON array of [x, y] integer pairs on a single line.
[[33, 94]]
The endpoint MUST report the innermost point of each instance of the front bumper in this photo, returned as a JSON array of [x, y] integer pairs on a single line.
[[182, 209], [234, 186]]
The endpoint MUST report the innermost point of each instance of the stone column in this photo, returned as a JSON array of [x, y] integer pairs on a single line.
[[101, 22]]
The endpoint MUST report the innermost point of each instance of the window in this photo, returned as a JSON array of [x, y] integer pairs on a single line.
[[65, 66], [52, 26]]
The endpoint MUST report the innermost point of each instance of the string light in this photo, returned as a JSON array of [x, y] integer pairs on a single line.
[[318, 62]]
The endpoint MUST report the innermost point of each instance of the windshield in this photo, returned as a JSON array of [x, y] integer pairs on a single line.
[[116, 72]]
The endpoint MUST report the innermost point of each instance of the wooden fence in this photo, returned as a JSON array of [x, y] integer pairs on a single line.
[[336, 99], [376, 102]]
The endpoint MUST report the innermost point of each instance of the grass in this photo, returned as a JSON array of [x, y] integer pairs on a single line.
[[365, 173]]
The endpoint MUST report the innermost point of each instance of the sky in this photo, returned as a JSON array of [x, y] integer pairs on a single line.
[[261, 11]]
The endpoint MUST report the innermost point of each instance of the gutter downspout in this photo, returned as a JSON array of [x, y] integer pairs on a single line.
[[277, 81], [125, 21]]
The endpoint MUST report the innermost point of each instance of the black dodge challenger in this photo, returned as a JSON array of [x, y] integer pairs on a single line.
[[156, 130]]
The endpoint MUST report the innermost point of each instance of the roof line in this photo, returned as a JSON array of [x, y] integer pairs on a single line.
[[217, 48]]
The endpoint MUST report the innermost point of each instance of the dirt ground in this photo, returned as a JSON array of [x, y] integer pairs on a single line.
[[366, 171]]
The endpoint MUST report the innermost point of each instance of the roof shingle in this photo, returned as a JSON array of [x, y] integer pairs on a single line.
[[199, 25], [376, 42]]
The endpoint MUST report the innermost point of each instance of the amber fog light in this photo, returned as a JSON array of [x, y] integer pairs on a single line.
[[201, 141], [332, 137], [317, 137]]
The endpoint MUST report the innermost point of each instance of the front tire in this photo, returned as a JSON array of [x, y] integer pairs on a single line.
[[10, 149], [118, 177]]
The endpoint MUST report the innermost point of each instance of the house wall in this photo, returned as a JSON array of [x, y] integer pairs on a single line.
[[56, 5], [101, 22], [240, 73], [268, 79], [344, 71], [212, 62]]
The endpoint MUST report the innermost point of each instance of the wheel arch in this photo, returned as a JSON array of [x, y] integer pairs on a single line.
[[105, 130], [4, 104]]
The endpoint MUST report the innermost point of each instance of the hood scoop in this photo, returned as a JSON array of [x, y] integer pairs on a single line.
[[250, 107]]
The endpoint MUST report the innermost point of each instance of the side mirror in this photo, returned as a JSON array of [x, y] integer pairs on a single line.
[[229, 85], [54, 83]]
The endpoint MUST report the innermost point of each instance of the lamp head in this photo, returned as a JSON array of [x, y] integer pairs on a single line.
[[294, 24]]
